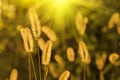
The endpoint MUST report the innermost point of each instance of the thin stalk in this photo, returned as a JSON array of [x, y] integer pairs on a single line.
[[33, 67], [84, 72], [112, 76], [88, 72], [94, 77], [29, 66], [45, 71], [0, 9], [39, 60], [101, 75]]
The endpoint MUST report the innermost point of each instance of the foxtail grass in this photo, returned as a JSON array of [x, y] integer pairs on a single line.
[[14, 74], [41, 44], [81, 23], [35, 23], [65, 75], [59, 60], [27, 39], [115, 18], [28, 45], [84, 54], [100, 62], [52, 70], [46, 55], [114, 59], [70, 54], [49, 32], [36, 30]]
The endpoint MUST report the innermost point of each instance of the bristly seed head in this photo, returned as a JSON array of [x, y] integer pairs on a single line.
[[50, 33], [100, 60], [115, 18], [27, 39], [47, 53], [14, 74], [65, 75], [114, 59], [81, 23], [35, 23], [41, 43], [83, 52], [59, 60], [70, 54]]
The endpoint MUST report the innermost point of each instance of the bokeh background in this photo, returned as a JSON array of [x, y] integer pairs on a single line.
[[61, 18]]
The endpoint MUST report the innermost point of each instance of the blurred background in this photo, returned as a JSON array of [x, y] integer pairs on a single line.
[[59, 15]]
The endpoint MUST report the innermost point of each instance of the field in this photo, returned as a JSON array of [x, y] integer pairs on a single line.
[[59, 40]]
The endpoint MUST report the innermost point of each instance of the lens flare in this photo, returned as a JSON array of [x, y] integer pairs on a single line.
[[60, 14]]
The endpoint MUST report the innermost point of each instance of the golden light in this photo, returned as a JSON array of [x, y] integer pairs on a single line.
[[55, 12], [60, 2], [59, 13]]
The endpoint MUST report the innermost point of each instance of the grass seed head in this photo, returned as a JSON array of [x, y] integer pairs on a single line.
[[35, 23], [81, 23], [14, 74], [113, 58], [115, 18], [85, 19], [100, 60], [83, 52], [41, 43], [27, 39], [65, 75], [52, 70], [47, 53], [70, 54], [19, 27], [50, 33], [59, 60]]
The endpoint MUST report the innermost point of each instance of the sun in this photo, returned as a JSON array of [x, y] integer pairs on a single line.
[[57, 13]]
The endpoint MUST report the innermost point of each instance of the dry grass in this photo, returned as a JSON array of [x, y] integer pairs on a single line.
[[114, 59], [115, 18], [70, 54], [83, 52], [46, 55], [100, 60], [65, 75], [41, 43], [35, 23], [81, 23], [14, 74], [46, 48], [50, 33]]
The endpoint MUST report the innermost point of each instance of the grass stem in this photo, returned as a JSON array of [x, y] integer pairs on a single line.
[[39, 60], [45, 71], [33, 67], [29, 66], [84, 72], [101, 75]]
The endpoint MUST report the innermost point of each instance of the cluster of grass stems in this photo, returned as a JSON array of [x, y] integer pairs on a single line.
[[32, 35]]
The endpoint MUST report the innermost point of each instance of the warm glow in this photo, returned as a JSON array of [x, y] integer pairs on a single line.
[[60, 2], [60, 12]]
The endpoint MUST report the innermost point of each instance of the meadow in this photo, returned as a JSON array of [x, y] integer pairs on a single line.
[[59, 40]]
